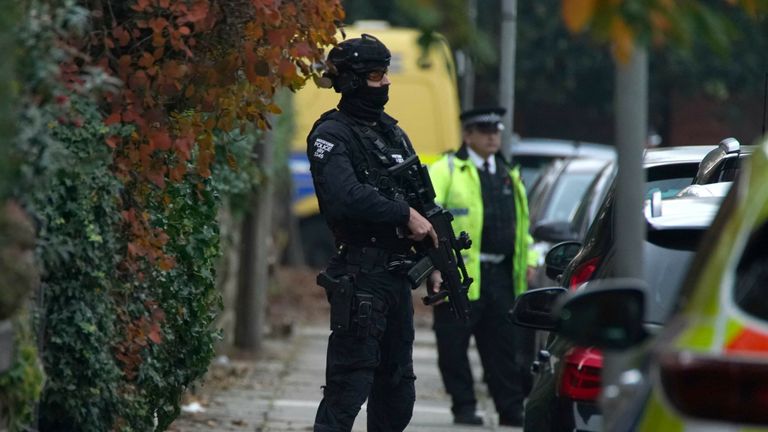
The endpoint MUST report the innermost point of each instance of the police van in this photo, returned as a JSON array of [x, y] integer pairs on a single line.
[[423, 98]]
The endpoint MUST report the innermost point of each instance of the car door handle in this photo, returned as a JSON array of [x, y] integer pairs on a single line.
[[544, 355]]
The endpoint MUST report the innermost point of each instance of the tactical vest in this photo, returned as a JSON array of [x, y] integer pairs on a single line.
[[371, 154]]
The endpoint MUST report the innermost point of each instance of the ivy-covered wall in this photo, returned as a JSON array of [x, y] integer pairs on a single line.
[[129, 125]]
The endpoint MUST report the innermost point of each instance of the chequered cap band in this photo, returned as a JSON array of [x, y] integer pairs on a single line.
[[484, 118]]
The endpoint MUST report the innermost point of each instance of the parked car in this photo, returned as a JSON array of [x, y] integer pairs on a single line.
[[553, 201], [534, 154], [668, 170], [707, 369]]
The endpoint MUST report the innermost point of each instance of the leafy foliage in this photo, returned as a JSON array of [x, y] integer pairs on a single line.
[[131, 109], [20, 386], [626, 22]]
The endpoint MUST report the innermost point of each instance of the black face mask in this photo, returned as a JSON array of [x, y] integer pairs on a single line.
[[366, 102]]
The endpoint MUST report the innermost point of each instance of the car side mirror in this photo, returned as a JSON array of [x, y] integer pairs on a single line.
[[607, 314], [554, 231], [558, 258], [533, 308]]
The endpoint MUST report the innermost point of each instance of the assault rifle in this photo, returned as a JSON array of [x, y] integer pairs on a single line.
[[412, 179]]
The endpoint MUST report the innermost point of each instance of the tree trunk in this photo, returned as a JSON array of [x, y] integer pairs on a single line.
[[253, 281]]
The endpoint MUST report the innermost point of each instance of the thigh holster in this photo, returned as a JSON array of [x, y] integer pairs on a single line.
[[356, 312], [341, 293]]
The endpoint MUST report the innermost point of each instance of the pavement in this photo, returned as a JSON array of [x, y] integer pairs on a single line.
[[280, 390]]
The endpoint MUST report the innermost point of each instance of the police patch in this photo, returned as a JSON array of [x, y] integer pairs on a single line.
[[322, 147]]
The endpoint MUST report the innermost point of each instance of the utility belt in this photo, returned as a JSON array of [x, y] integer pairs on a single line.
[[360, 313], [368, 259]]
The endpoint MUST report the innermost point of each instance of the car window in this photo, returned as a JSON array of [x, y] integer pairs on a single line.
[[540, 191], [751, 286], [667, 187], [669, 179], [566, 196], [730, 170], [531, 168], [667, 255]]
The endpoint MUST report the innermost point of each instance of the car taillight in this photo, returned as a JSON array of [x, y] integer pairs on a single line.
[[581, 375], [726, 389], [583, 273]]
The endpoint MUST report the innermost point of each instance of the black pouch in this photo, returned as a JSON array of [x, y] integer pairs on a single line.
[[363, 314], [341, 293], [420, 271]]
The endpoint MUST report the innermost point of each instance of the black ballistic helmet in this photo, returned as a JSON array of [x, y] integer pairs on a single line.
[[354, 57]]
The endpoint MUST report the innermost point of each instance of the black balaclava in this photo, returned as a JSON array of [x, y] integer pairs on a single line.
[[366, 103], [353, 59]]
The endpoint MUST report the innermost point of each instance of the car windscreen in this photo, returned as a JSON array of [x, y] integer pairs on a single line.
[[567, 195], [531, 168], [669, 179], [667, 254]]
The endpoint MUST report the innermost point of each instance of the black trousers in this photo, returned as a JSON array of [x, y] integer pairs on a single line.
[[495, 337], [377, 367]]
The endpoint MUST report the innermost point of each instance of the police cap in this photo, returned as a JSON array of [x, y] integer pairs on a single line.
[[486, 119]]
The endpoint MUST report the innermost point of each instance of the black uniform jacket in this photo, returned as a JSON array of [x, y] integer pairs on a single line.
[[345, 198]]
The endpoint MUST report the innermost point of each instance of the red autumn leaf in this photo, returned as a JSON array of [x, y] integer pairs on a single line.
[[113, 141], [112, 119], [184, 30], [133, 249], [123, 37], [158, 24], [138, 80], [277, 38], [302, 49], [155, 335], [184, 147], [167, 264], [174, 70], [146, 60], [141, 5], [176, 174], [287, 68], [160, 140], [197, 12]]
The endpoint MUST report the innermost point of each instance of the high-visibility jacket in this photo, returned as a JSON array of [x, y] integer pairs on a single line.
[[457, 189]]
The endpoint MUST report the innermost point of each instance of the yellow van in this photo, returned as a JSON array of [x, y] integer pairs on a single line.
[[423, 98]]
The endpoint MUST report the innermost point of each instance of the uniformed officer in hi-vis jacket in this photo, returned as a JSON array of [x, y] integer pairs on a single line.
[[349, 149], [487, 199]]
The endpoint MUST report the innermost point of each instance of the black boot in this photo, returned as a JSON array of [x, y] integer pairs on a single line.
[[467, 417]]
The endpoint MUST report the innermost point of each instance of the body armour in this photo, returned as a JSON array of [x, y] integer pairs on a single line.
[[349, 160]]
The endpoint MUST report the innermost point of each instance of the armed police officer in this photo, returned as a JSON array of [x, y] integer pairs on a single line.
[[350, 148], [487, 199]]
